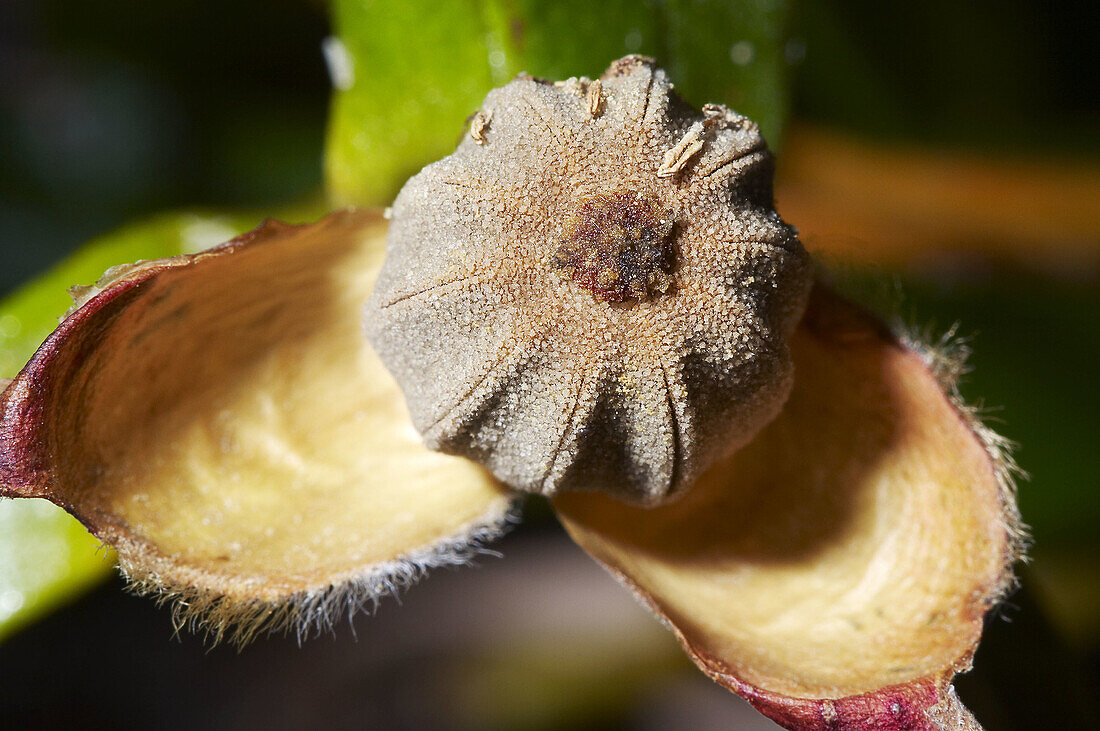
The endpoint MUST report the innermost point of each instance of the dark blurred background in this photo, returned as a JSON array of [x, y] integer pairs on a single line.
[[117, 109]]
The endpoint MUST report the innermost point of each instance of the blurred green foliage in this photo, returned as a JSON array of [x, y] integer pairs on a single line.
[[1020, 331], [46, 558], [411, 73], [111, 111], [996, 75], [419, 68], [114, 110], [1027, 341]]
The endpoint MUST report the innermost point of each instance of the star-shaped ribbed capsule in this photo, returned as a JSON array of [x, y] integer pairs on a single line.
[[594, 291]]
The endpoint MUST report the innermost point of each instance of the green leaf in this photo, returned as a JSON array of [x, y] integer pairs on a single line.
[[46, 556], [411, 73]]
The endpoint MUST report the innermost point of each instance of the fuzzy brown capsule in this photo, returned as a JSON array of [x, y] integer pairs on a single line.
[[592, 301]]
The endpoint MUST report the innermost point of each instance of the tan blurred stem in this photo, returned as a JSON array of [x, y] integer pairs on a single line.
[[893, 205]]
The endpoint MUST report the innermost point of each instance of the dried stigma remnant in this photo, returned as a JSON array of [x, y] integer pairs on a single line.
[[594, 291], [617, 247]]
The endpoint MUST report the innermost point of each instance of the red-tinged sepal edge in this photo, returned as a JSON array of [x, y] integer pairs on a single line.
[[837, 571], [220, 420]]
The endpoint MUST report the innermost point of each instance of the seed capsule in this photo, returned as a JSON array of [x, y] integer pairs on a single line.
[[588, 300]]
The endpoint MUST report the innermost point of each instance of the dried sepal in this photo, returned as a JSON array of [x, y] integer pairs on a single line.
[[594, 291], [837, 570], [220, 420]]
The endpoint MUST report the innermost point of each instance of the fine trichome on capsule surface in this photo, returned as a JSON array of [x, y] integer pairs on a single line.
[[593, 291]]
